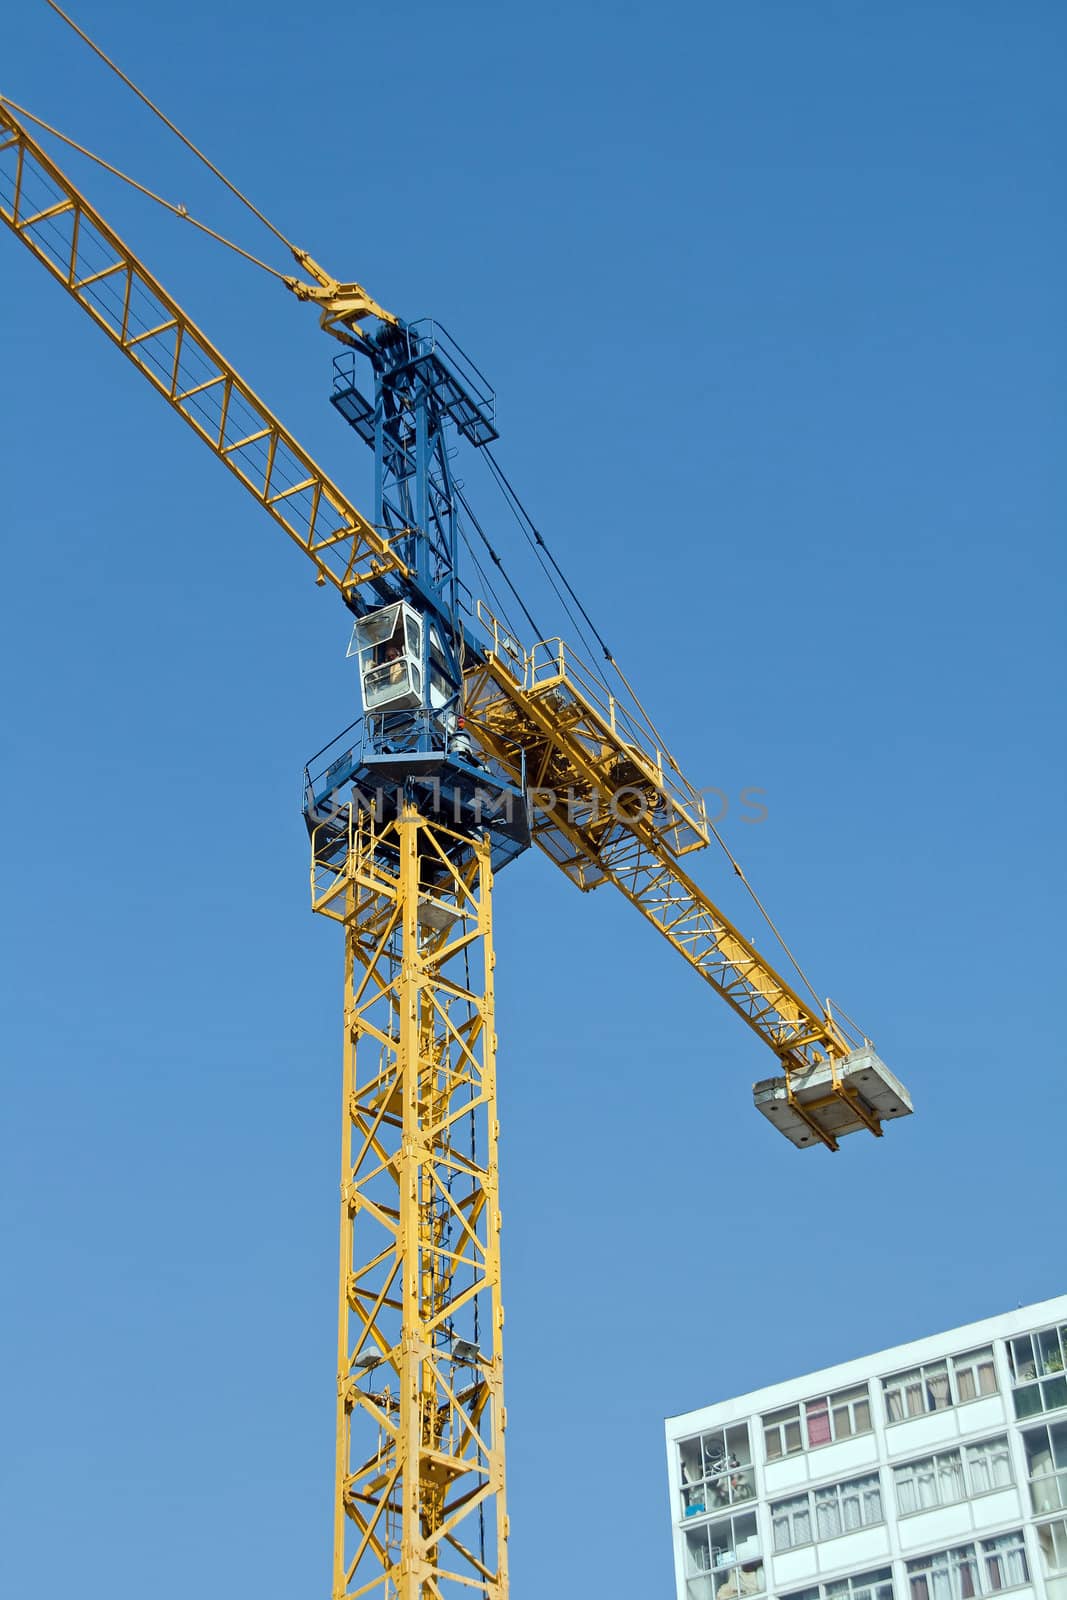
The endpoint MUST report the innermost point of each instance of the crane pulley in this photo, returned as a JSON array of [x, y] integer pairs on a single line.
[[343, 306]]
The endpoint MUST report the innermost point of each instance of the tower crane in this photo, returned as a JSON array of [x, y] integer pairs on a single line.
[[470, 747]]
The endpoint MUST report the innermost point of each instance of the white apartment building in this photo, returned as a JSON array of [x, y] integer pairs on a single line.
[[933, 1471]]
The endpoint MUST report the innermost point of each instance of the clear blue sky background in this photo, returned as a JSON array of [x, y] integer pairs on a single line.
[[772, 295]]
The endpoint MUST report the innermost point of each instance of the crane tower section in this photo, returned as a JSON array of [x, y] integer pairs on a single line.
[[419, 1507], [467, 748], [408, 820]]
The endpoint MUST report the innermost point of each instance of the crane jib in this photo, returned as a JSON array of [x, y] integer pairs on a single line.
[[472, 746], [69, 238], [515, 716]]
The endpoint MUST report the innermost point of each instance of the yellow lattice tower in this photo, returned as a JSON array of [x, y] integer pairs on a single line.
[[420, 1420]]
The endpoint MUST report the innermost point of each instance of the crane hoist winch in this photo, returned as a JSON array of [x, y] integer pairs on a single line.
[[470, 746]]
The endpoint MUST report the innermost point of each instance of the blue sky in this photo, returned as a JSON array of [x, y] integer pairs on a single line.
[[772, 297]]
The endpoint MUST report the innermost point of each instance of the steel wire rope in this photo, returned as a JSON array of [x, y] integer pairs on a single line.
[[533, 534], [117, 172], [474, 1268], [538, 542], [740, 872], [465, 503], [487, 584], [187, 142], [536, 538]]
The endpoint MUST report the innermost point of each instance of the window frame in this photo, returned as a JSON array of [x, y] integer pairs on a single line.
[[1053, 1527], [989, 1553], [968, 1465], [850, 1402], [953, 1369], [721, 1572], [897, 1383], [855, 1586], [1035, 1376], [969, 1361], [838, 1489], [697, 1494], [840, 1494], [962, 1454], [978, 1554], [860, 1584], [933, 1460], [786, 1505], [779, 1422], [1056, 1474], [952, 1560]]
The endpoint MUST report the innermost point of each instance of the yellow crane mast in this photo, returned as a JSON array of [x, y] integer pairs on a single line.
[[526, 745]]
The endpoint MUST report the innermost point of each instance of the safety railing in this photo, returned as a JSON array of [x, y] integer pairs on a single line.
[[551, 660], [503, 643]]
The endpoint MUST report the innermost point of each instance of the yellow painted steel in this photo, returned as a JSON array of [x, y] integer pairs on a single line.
[[342, 306], [609, 806], [55, 221], [420, 1502], [420, 1508], [606, 810]]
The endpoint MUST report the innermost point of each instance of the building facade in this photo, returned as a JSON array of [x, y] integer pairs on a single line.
[[933, 1471]]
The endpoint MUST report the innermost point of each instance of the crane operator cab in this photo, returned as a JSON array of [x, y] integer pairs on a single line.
[[414, 738], [391, 651]]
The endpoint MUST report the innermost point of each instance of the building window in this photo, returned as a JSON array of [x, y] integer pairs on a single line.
[[791, 1522], [781, 1433], [967, 1572], [824, 1420], [844, 1507], [948, 1575], [952, 1475], [716, 1470], [864, 1586], [838, 1416], [940, 1384], [723, 1560], [1052, 1543], [933, 1481], [1004, 1562], [1038, 1362], [987, 1465], [826, 1513], [1046, 1464], [974, 1375], [913, 1393]]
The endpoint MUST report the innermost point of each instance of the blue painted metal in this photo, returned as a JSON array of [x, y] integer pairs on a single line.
[[449, 786], [415, 399], [423, 389]]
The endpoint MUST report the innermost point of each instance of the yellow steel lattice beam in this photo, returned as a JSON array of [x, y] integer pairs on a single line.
[[604, 812], [420, 1425], [54, 220]]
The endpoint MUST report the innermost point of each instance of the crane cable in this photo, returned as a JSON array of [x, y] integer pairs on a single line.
[[501, 609], [533, 534], [116, 172], [188, 143], [739, 870], [536, 538], [532, 537], [465, 503], [545, 555]]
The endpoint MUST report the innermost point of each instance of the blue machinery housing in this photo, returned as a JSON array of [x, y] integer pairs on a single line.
[[413, 635]]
